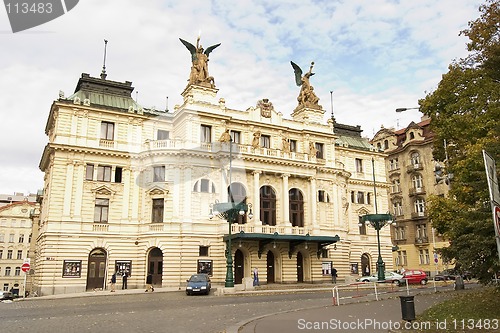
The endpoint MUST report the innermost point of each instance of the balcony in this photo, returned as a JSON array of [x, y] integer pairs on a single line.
[[418, 215], [417, 191], [422, 240], [268, 229], [216, 147], [414, 167]]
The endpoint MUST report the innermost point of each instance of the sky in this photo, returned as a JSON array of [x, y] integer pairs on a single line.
[[374, 56]]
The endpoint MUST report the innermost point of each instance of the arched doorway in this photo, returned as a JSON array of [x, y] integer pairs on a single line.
[[365, 265], [96, 271], [270, 267], [155, 266], [300, 267], [239, 267]]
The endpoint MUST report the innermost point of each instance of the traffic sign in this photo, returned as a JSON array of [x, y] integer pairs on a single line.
[[25, 267]]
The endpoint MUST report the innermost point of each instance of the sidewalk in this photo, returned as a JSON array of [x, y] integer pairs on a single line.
[[366, 316]]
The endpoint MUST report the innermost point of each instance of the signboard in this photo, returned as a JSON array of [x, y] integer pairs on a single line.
[[25, 267]]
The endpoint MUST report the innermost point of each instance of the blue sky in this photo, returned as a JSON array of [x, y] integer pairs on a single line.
[[374, 55]]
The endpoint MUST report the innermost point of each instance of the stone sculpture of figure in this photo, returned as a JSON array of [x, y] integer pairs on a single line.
[[199, 68], [312, 149], [256, 140], [286, 145], [225, 137], [307, 97]]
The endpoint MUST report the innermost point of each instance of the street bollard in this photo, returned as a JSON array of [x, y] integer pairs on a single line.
[[407, 307]]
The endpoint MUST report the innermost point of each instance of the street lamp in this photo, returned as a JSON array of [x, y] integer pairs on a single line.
[[377, 221], [405, 109], [230, 211]]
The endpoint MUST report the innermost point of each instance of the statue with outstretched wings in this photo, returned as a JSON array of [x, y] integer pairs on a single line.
[[199, 68], [307, 97]]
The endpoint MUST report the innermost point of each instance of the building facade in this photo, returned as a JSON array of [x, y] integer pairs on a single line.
[[15, 239], [410, 171], [130, 189]]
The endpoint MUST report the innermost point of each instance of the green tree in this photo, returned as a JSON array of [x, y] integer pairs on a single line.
[[465, 111]]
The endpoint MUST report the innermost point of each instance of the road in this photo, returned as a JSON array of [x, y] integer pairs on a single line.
[[150, 312]]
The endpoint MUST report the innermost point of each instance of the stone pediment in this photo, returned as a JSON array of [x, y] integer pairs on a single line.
[[103, 190], [157, 191]]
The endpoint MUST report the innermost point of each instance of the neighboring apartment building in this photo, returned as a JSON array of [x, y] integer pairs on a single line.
[[129, 189], [15, 238], [410, 170]]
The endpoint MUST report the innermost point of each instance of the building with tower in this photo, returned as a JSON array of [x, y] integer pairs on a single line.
[[132, 189]]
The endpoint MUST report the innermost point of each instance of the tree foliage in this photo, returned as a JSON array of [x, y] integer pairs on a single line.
[[465, 113]]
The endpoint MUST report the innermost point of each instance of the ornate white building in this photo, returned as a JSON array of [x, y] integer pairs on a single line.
[[130, 189]]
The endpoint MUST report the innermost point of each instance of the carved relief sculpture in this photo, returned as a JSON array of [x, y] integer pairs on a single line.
[[307, 97], [285, 145], [265, 107], [225, 137], [199, 68], [256, 140]]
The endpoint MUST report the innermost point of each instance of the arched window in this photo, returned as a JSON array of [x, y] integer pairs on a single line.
[[236, 193], [204, 186], [417, 181], [267, 205], [296, 207], [415, 158]]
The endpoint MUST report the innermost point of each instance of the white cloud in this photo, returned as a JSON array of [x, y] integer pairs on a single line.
[[375, 56]]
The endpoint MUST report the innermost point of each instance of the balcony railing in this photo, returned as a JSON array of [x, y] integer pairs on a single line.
[[421, 240], [417, 191], [414, 167], [268, 229], [416, 215]]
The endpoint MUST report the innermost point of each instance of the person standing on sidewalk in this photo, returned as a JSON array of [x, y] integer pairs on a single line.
[[149, 283], [124, 280], [334, 275], [113, 282], [255, 277]]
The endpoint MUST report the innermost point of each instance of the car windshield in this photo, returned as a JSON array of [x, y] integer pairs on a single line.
[[198, 278]]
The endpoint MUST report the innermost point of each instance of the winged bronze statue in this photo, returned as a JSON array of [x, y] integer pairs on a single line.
[[307, 97], [199, 58]]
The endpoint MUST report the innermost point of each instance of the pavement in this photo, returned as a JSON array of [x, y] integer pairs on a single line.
[[362, 314]]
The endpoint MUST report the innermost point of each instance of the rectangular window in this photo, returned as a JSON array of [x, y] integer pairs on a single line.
[[206, 134], [11, 238], [107, 130], [236, 136], [17, 272], [204, 185], [293, 146], [362, 227], [9, 254], [1, 254], [359, 165], [361, 197], [104, 173], [7, 271], [2, 238], [118, 175], [89, 172], [21, 238], [19, 254], [101, 210], [203, 252], [158, 205], [162, 135], [159, 174], [265, 141], [319, 150]]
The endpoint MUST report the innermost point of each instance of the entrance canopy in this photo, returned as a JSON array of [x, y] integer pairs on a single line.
[[316, 242]]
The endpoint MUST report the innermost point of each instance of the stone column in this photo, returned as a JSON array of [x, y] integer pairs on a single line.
[[286, 201], [80, 172], [256, 197], [68, 188], [313, 205]]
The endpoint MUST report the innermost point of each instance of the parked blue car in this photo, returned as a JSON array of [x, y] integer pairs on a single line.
[[198, 283]]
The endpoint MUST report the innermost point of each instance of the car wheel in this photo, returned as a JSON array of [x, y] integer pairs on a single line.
[[365, 280], [423, 282]]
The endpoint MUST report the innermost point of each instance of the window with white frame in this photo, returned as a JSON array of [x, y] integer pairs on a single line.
[[393, 164], [397, 208], [101, 210], [157, 210], [421, 231], [159, 173], [396, 186], [265, 141], [162, 135], [359, 165], [236, 136], [415, 158], [17, 272], [419, 206], [360, 197], [206, 134], [9, 254], [204, 185], [7, 271], [417, 181], [19, 254], [107, 130], [104, 173]]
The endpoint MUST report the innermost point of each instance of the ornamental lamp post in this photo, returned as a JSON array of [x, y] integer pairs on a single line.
[[230, 211], [377, 221]]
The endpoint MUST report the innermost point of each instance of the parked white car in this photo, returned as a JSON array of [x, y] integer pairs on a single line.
[[389, 277]]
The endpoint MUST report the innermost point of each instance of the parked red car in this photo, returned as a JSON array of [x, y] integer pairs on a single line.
[[413, 276]]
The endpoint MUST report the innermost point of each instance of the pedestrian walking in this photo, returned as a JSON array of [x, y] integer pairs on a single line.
[[112, 285], [124, 280], [149, 283], [255, 277], [334, 275]]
